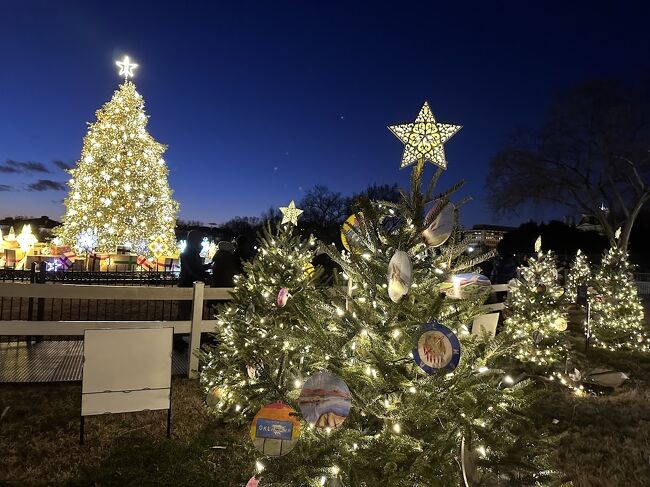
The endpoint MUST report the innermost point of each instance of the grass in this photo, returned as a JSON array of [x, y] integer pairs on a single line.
[[604, 440]]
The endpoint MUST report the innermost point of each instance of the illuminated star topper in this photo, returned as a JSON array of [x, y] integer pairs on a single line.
[[424, 138], [290, 213], [126, 67]]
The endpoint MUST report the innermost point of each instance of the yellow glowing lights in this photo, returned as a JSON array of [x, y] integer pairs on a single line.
[[126, 67], [424, 138], [26, 239], [290, 213]]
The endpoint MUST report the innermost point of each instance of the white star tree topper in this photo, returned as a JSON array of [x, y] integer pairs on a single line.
[[126, 67], [290, 213], [424, 138]]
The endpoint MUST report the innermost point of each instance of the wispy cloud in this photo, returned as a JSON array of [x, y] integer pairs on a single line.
[[12, 166], [64, 166], [5, 187], [46, 185]]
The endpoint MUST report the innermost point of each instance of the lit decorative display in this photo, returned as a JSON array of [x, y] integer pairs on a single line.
[[158, 247], [119, 186], [86, 241], [424, 138], [26, 239], [126, 67], [290, 213]]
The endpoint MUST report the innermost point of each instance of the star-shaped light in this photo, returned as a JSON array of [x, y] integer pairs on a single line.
[[290, 213], [126, 67], [424, 138]]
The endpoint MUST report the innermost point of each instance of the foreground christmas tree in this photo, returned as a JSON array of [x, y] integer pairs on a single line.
[[617, 320], [119, 194], [579, 275], [536, 312], [379, 381]]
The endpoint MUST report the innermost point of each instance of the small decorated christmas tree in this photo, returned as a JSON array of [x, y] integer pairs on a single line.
[[119, 192], [536, 312], [379, 381], [579, 275], [617, 320]]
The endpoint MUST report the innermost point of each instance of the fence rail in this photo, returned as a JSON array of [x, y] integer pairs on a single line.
[[197, 298]]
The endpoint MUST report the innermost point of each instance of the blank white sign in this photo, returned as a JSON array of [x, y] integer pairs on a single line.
[[125, 360]]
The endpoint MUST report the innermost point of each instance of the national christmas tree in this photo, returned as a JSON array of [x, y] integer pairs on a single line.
[[536, 312], [375, 380], [579, 275], [119, 194], [617, 320]]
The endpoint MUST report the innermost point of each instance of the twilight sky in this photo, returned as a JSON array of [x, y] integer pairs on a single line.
[[259, 101]]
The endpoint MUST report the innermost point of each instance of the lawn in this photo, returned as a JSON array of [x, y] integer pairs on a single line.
[[605, 439]]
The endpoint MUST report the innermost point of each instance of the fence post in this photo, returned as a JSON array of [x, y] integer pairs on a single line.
[[195, 330]]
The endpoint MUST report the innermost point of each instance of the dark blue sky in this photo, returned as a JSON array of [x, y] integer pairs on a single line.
[[258, 101]]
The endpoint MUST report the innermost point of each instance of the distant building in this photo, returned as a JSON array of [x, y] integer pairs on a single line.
[[486, 237], [588, 223]]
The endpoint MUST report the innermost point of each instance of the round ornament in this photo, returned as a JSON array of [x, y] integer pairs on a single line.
[[438, 229], [283, 295], [465, 286], [253, 482], [250, 311], [251, 370], [350, 231], [309, 270], [437, 348], [540, 289], [560, 324], [275, 429], [214, 396], [325, 400], [537, 336], [400, 275]]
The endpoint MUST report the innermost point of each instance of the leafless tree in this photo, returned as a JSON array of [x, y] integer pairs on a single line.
[[592, 155]]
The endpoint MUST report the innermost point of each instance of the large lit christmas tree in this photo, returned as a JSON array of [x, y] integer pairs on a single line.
[[119, 193], [617, 320], [536, 312], [377, 382]]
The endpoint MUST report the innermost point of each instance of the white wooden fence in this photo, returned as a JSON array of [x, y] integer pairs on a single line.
[[195, 326]]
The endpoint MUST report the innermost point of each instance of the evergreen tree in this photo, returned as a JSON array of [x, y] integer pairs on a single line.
[[119, 194], [579, 275], [617, 320], [405, 426], [536, 312]]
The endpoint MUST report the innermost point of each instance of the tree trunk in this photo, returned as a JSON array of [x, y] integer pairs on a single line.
[[626, 231]]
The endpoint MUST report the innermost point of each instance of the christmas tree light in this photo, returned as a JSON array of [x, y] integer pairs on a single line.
[[119, 189]]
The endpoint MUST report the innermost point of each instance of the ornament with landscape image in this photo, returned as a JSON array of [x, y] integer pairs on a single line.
[[325, 400], [465, 286], [214, 396], [283, 296], [438, 229], [537, 336], [350, 231], [275, 430], [561, 324], [437, 348], [400, 275]]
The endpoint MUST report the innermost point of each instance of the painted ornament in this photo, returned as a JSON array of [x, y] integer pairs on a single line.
[[437, 349], [275, 429], [309, 270], [251, 370], [325, 400], [537, 336], [400, 275], [250, 311], [283, 296], [350, 231], [465, 286], [438, 229], [253, 482], [560, 324]]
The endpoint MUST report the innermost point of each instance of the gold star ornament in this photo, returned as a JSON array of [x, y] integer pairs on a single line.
[[126, 67], [290, 213], [424, 138]]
